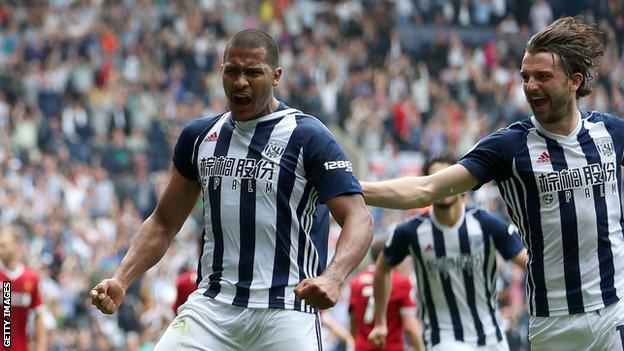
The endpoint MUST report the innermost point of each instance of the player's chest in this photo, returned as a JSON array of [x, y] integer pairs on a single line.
[[448, 251]]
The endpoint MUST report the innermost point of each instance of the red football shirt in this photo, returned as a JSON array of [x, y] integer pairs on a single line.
[[362, 306], [24, 297], [185, 285]]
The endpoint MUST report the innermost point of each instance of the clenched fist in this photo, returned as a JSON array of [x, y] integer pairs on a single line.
[[108, 295]]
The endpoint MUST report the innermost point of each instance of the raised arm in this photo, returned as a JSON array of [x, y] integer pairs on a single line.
[[150, 243], [382, 286], [351, 214], [415, 192]]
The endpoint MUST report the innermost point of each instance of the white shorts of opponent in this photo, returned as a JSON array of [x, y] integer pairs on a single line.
[[209, 325], [599, 330]]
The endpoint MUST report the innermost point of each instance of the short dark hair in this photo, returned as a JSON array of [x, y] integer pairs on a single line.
[[253, 39], [442, 158], [579, 46]]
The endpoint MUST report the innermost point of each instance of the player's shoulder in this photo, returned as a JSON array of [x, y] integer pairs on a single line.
[[515, 131], [196, 125], [414, 222], [30, 273], [481, 214], [307, 123], [607, 118]]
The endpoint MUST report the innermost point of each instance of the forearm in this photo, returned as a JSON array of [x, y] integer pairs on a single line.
[[147, 247], [382, 285], [401, 193], [413, 332], [353, 243], [41, 334]]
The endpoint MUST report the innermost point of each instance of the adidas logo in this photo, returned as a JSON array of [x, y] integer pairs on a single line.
[[212, 137], [428, 248], [544, 158]]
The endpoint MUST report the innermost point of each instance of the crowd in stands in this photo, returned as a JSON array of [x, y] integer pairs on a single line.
[[93, 95]]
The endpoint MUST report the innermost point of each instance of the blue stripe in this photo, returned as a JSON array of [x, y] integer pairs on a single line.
[[429, 305], [320, 236], [319, 336], [605, 255], [440, 250], [464, 248], [201, 253], [490, 284], [619, 150], [535, 236], [214, 198], [569, 234], [261, 136], [285, 184]]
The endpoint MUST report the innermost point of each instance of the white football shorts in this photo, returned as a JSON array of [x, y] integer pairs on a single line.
[[598, 330], [210, 325]]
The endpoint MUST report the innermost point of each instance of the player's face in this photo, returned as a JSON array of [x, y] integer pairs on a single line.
[[8, 248], [447, 201], [548, 90], [248, 81]]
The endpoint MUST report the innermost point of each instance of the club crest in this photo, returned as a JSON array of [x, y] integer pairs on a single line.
[[604, 146], [274, 148]]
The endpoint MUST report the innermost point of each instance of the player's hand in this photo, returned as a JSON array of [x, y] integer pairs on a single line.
[[320, 292], [378, 335], [108, 295]]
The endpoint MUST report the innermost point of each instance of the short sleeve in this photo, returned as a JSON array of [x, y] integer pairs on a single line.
[[185, 146], [491, 158], [397, 246], [326, 162], [505, 235]]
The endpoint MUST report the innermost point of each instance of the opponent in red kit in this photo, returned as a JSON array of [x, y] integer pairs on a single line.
[[185, 285], [24, 295], [401, 309]]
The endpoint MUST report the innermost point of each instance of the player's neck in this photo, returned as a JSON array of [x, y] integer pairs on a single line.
[[565, 126], [10, 265], [449, 216]]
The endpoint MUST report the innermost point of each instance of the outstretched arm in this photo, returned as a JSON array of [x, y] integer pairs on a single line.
[[351, 214], [415, 192], [150, 243]]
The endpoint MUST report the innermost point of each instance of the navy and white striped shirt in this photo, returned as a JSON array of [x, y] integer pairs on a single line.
[[564, 195], [455, 269], [264, 185]]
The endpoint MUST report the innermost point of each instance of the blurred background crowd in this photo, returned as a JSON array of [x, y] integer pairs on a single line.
[[94, 93]]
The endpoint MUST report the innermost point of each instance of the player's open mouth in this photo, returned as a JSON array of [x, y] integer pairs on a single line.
[[242, 100], [539, 103]]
